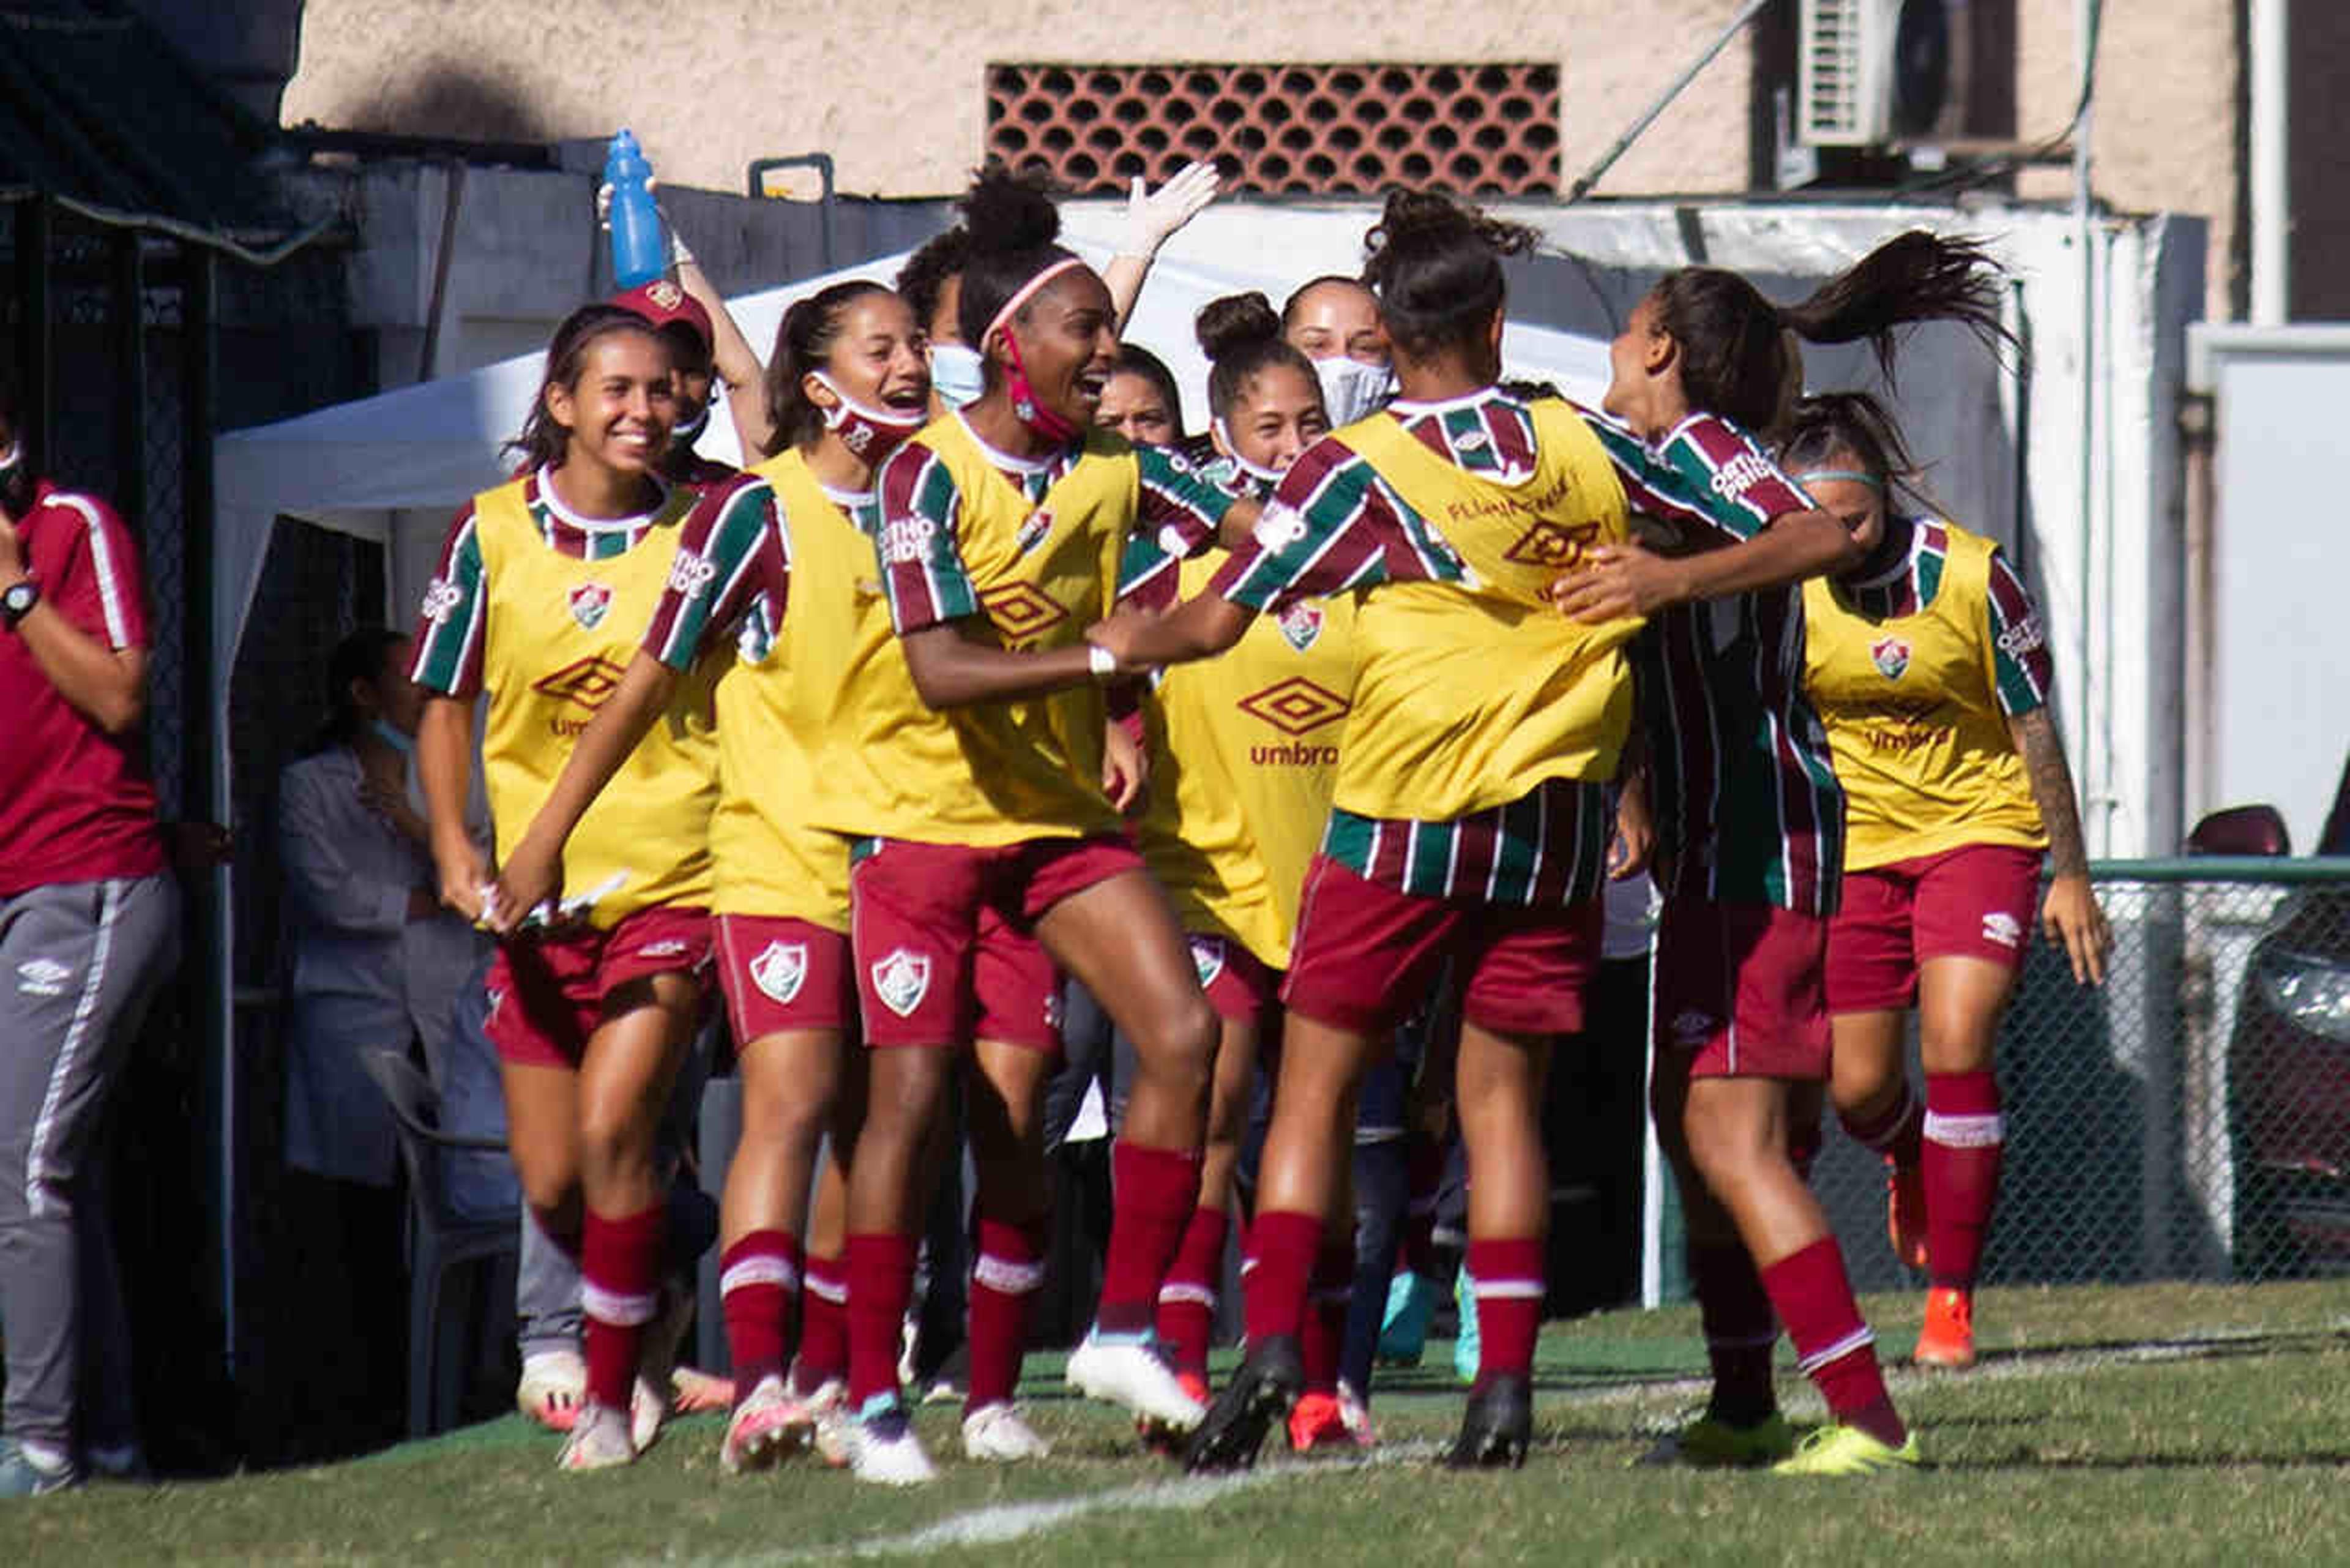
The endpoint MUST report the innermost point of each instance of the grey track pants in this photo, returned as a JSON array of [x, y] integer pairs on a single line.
[[78, 963]]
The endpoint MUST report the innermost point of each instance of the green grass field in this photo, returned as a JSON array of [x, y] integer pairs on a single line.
[[2162, 1424]]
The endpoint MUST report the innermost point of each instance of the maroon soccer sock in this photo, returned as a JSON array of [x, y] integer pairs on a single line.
[[1330, 1290], [1509, 1275], [1966, 1139], [1154, 1191], [1004, 1280], [1283, 1245], [758, 1281], [1894, 1133], [1423, 1164], [1813, 1298], [824, 1325], [1739, 1331], [1187, 1299], [618, 1294], [880, 1284]]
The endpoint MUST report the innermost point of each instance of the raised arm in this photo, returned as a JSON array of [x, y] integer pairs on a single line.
[[1152, 217], [736, 361]]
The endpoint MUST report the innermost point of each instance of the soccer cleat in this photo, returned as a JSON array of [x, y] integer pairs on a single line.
[[1711, 1443], [1161, 1438], [22, 1475], [1403, 1327], [1133, 1372], [600, 1439], [649, 1401], [1905, 1212], [1496, 1427], [1355, 1417], [553, 1384], [998, 1432], [882, 1449], [1261, 1393], [695, 1391], [1464, 1349], [1948, 1340], [1834, 1450], [828, 1406], [1314, 1422], [765, 1428]]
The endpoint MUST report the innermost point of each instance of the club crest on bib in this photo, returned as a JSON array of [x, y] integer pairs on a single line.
[[901, 980], [590, 603], [780, 969], [1207, 958], [1301, 623], [1892, 656]]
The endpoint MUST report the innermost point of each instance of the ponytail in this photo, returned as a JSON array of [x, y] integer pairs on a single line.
[[1435, 264], [803, 341]]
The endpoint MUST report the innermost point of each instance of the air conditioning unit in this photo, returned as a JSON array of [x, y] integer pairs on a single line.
[[1872, 73]]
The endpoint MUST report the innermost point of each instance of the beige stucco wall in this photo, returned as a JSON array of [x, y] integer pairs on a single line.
[[897, 96]]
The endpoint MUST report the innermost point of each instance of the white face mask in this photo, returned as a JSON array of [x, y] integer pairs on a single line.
[[1266, 477], [1350, 389], [958, 372]]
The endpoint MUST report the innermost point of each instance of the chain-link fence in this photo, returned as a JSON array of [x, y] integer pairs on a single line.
[[2189, 1120]]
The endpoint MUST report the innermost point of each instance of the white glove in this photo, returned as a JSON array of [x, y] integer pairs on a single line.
[[1152, 216], [679, 254]]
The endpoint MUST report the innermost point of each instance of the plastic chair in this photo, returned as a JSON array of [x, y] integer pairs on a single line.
[[440, 1241]]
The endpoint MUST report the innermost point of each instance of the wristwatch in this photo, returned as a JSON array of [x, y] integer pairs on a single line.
[[18, 600]]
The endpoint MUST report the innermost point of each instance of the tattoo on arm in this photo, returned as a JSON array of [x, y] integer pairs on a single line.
[[2051, 789]]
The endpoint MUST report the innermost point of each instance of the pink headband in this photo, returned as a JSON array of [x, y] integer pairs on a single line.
[[1026, 291]]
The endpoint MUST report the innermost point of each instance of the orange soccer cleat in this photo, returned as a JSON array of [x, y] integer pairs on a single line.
[[1948, 1340]]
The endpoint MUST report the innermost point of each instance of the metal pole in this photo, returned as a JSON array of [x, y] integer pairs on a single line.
[[2272, 170], [1623, 144]]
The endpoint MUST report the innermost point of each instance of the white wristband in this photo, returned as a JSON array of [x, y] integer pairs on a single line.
[[1100, 660]]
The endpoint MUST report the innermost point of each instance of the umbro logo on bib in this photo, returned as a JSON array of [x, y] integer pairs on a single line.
[[590, 603], [780, 969], [901, 980]]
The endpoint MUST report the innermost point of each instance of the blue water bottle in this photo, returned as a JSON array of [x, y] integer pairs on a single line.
[[640, 252]]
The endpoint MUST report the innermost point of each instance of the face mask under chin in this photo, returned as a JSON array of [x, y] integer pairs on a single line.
[[868, 432]]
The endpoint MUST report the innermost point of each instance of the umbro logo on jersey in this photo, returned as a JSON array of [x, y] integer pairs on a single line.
[[1740, 475], [780, 969], [1301, 623], [590, 603], [901, 980], [1892, 656], [440, 600], [1207, 958], [1021, 610], [2002, 928], [586, 682], [667, 946], [691, 573], [43, 976], [1549, 544], [1295, 706], [1031, 533]]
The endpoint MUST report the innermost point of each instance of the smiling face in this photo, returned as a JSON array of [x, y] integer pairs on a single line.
[[1067, 340], [1277, 415], [1337, 320], [1133, 406], [617, 413], [877, 359]]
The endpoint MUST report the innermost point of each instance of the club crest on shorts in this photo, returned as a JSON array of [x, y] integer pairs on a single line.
[[1301, 623], [901, 980], [1207, 958], [1892, 656], [780, 969], [2002, 928], [590, 603]]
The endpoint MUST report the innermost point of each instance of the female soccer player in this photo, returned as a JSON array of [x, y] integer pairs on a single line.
[[1244, 750], [596, 999], [1335, 322], [1749, 826], [1929, 669], [1471, 816], [1141, 401], [977, 758]]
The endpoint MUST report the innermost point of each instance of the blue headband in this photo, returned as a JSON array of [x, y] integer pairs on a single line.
[[1849, 474]]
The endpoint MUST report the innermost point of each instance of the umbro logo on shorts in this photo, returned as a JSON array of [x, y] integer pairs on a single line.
[[2002, 928], [1207, 958], [667, 946], [901, 980], [780, 969], [43, 976], [1690, 1028]]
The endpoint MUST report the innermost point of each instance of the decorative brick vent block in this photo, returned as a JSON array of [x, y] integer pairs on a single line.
[[1308, 131]]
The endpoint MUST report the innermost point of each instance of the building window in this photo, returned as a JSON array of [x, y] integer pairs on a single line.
[[1347, 130]]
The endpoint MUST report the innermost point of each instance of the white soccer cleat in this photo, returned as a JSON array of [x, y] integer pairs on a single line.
[[600, 1441], [649, 1401], [1000, 1434], [883, 1450], [554, 1384], [828, 1408], [765, 1428], [1132, 1373]]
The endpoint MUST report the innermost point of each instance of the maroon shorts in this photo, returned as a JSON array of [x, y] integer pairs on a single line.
[[779, 974], [1741, 985], [943, 935], [1977, 900], [547, 992], [1363, 954], [1238, 984]]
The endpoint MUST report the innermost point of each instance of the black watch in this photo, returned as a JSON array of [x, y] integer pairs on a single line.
[[18, 600]]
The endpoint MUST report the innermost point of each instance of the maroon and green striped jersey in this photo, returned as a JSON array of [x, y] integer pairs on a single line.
[[733, 574], [2012, 623]]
